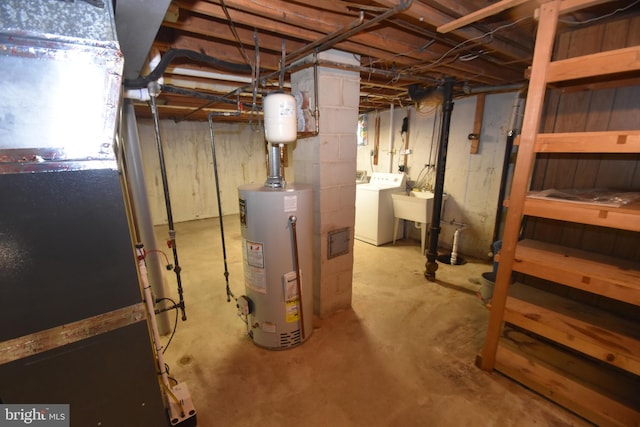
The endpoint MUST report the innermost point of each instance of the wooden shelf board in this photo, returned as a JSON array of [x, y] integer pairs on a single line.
[[625, 217], [603, 397], [589, 142], [586, 329], [568, 6], [596, 83], [598, 274], [598, 64]]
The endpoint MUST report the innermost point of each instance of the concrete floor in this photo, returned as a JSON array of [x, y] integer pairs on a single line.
[[403, 355]]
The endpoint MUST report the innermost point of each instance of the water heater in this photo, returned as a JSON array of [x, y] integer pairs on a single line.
[[277, 236]]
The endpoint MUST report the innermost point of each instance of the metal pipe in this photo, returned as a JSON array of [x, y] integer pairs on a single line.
[[293, 220], [492, 89], [299, 53], [323, 44], [154, 91], [274, 179], [215, 173], [134, 174], [316, 110], [504, 177], [447, 107], [400, 7], [283, 60]]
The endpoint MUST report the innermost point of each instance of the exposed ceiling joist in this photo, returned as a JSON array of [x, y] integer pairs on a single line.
[[396, 49]]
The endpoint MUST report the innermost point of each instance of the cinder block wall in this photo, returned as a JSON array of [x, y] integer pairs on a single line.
[[328, 162]]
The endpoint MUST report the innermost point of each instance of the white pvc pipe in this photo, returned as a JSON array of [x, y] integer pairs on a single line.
[[454, 250], [151, 315], [141, 94]]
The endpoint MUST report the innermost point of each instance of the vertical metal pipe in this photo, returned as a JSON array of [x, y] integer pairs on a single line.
[[503, 184], [274, 179], [167, 199], [215, 173], [293, 220], [134, 174], [432, 253]]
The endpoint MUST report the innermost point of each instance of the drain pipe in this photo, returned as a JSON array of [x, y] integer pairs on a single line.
[[447, 107], [454, 249], [506, 161]]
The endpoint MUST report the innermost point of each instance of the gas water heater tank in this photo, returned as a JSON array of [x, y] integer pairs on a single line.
[[269, 260], [280, 123]]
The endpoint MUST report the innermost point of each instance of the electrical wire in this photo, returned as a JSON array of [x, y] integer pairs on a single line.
[[175, 324], [597, 18], [169, 377], [158, 251], [235, 33], [481, 36], [435, 136], [417, 183]]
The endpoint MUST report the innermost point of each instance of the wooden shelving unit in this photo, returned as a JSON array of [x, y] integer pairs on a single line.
[[562, 345]]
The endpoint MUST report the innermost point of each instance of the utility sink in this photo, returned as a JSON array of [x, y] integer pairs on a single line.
[[421, 194], [417, 207]]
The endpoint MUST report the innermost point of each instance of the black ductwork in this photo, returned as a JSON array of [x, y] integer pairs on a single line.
[[167, 58]]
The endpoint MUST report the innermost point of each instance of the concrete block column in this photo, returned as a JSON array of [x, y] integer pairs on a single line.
[[328, 162]]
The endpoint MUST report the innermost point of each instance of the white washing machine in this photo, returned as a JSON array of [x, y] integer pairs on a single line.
[[374, 207]]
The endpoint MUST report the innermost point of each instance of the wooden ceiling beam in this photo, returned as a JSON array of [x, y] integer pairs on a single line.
[[479, 14], [433, 17], [271, 61], [267, 40], [373, 44]]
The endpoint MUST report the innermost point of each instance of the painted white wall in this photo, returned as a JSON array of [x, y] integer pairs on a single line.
[[241, 154], [472, 181]]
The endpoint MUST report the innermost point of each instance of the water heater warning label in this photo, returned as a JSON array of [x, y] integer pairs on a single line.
[[254, 273], [255, 254], [292, 314]]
